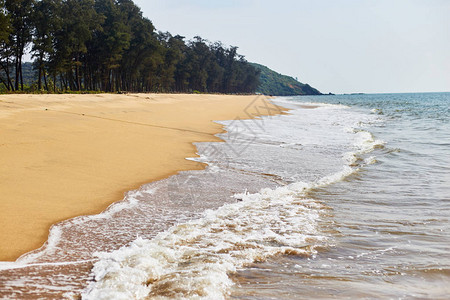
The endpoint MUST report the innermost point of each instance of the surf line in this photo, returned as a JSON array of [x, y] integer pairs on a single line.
[[129, 122], [16, 265]]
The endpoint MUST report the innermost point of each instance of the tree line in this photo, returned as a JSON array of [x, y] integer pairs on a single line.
[[107, 45]]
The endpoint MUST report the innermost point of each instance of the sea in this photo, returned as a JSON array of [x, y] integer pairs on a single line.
[[341, 197]]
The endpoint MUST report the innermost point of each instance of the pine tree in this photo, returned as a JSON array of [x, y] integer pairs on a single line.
[[20, 35], [5, 47]]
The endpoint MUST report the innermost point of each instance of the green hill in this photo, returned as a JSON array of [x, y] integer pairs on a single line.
[[273, 83]]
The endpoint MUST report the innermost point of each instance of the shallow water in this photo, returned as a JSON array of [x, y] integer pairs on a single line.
[[389, 222], [344, 198]]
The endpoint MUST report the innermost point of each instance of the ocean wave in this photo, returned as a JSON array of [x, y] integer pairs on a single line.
[[193, 259]]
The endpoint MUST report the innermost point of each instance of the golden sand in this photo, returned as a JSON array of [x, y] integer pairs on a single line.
[[63, 156]]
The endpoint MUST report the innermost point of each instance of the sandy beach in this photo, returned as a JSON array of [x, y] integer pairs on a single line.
[[63, 156]]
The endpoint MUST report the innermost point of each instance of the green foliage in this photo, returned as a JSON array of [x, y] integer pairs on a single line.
[[107, 45], [45, 20], [15, 20], [273, 83], [5, 31], [5, 25]]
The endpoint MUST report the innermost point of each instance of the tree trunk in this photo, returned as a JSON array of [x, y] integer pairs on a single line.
[[22, 46], [54, 82], [21, 75], [16, 82], [40, 73], [45, 81], [77, 73], [8, 84]]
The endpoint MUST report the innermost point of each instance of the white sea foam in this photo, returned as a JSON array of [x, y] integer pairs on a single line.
[[51, 246], [364, 143], [129, 201], [193, 259]]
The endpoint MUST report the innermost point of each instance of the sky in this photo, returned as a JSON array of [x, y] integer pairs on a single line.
[[338, 46]]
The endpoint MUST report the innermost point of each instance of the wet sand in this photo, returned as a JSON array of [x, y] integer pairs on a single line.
[[63, 156]]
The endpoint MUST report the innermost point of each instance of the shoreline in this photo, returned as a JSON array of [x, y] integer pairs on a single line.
[[63, 156]]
